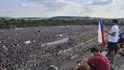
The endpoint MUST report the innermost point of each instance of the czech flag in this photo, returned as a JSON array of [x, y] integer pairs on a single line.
[[101, 38]]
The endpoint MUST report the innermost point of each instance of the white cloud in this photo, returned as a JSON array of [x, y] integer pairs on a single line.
[[100, 2], [48, 8], [24, 4], [52, 3], [64, 7]]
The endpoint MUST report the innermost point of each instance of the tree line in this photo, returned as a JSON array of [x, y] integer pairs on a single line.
[[48, 22]]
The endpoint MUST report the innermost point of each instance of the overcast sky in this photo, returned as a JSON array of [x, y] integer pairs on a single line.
[[49, 8]]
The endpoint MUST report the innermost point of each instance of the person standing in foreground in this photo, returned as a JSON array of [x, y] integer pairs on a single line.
[[98, 61], [113, 37]]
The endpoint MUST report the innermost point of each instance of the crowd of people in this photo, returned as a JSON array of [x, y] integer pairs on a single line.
[[24, 49], [21, 48]]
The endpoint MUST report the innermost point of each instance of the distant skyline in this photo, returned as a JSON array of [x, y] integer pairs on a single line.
[[50, 8]]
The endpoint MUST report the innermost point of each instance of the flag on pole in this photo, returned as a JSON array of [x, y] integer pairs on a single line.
[[101, 38]]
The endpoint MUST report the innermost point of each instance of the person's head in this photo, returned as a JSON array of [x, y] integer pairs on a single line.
[[121, 52], [84, 66], [120, 35], [95, 50], [114, 22]]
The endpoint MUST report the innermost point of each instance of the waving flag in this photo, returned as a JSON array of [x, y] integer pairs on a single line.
[[101, 38]]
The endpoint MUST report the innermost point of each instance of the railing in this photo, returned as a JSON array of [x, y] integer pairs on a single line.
[[73, 52]]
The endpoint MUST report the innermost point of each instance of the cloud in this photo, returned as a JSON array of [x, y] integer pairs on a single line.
[[100, 2], [52, 4], [25, 4], [62, 6], [122, 7], [48, 8], [88, 9]]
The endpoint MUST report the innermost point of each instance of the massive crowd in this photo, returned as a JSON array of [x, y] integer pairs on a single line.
[[21, 48]]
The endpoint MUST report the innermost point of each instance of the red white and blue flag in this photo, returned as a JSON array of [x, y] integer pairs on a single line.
[[101, 38]]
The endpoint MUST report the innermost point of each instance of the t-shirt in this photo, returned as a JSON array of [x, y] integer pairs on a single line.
[[100, 61], [115, 38]]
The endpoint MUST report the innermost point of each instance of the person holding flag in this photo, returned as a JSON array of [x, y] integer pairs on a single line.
[[113, 37]]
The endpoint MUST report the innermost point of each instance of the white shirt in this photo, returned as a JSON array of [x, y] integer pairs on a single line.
[[115, 38]]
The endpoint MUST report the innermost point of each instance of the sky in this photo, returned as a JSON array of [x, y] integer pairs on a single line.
[[50, 8]]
